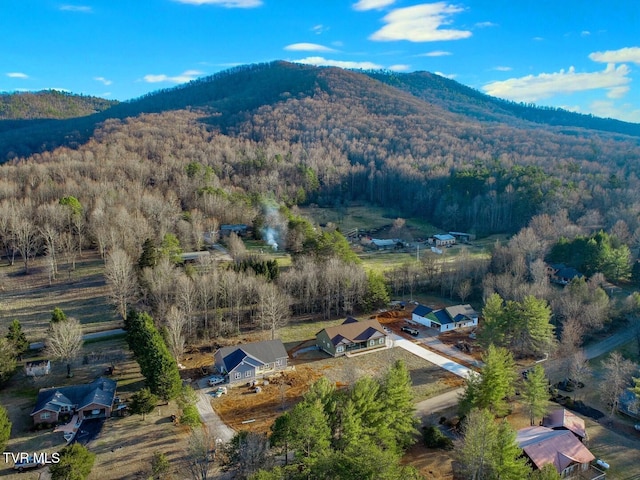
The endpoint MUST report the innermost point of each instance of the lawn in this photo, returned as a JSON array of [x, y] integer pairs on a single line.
[[81, 293]]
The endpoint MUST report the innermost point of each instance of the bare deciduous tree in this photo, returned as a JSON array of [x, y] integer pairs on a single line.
[[200, 454], [65, 341], [121, 278], [616, 377], [273, 307], [176, 323]]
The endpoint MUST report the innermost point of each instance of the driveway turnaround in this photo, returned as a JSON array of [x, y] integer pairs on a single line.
[[209, 417], [432, 357]]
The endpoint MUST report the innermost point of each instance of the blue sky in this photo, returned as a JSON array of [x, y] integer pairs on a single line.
[[576, 54]]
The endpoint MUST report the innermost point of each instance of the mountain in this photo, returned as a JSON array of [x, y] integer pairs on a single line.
[[459, 98], [49, 104], [228, 99]]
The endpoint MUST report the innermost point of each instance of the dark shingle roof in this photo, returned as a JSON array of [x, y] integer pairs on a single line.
[[101, 391], [255, 354]]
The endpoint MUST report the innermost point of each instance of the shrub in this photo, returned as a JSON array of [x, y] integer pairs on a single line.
[[190, 416], [434, 438]]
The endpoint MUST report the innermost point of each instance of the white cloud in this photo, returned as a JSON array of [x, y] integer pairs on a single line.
[[224, 3], [103, 80], [399, 68], [321, 61], [538, 39], [486, 24], [184, 77], [318, 29], [501, 68], [537, 87], [363, 5], [308, 47], [17, 75], [76, 8], [585, 33], [607, 109], [628, 54], [435, 53], [420, 23]]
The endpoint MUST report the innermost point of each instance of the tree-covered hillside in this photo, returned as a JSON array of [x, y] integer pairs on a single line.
[[49, 104]]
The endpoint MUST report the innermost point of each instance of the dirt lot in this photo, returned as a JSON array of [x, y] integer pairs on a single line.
[[241, 405]]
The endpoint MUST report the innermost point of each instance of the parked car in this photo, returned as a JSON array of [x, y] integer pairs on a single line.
[[601, 463], [410, 331], [219, 392], [215, 380], [28, 464]]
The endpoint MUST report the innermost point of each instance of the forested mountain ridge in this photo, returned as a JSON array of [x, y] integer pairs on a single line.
[[232, 95], [305, 134], [49, 104], [458, 98]]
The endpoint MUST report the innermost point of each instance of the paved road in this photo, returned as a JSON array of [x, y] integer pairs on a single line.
[[438, 403], [606, 345], [88, 336], [210, 418]]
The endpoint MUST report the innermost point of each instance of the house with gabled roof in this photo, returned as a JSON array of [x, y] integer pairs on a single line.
[[560, 448], [563, 419], [91, 400], [251, 361], [351, 336], [446, 319]]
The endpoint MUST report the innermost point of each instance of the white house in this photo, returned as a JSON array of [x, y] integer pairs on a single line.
[[446, 319]]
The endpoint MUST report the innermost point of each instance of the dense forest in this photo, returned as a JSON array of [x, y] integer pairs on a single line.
[[302, 134]]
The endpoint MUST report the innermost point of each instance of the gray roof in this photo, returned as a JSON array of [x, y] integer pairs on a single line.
[[255, 354], [100, 391]]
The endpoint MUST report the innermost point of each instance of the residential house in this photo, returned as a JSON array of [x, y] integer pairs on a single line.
[[251, 361], [442, 240], [562, 419], [37, 368], [560, 448], [351, 336], [92, 400], [561, 274], [446, 319]]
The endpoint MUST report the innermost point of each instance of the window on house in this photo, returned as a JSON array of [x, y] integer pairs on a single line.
[[340, 349], [372, 343], [381, 340], [279, 362], [238, 375], [247, 373], [45, 415]]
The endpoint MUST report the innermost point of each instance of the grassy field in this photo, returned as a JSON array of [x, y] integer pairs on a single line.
[[81, 294], [366, 217]]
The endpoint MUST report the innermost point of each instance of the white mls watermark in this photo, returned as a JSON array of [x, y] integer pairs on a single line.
[[41, 458]]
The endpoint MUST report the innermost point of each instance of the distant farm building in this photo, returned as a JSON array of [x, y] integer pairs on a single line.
[[193, 257], [239, 229], [463, 237], [442, 240], [446, 319]]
